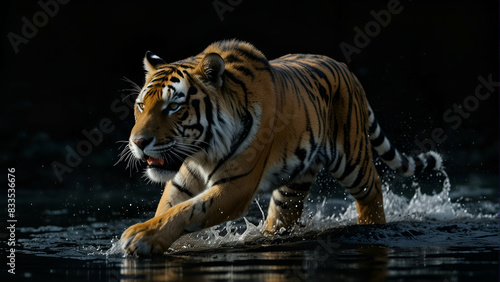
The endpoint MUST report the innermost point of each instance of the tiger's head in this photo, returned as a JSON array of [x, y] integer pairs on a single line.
[[180, 114]]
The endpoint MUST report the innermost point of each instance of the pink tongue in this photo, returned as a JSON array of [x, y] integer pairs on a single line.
[[155, 162]]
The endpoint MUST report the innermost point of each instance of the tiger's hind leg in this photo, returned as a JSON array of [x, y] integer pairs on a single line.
[[285, 207], [363, 183]]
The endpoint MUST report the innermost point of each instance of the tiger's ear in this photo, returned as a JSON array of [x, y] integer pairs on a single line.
[[211, 68], [152, 61]]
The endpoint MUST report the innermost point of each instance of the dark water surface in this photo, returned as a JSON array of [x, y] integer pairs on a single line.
[[446, 235]]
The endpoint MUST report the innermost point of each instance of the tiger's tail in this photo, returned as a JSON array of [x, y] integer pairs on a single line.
[[403, 164]]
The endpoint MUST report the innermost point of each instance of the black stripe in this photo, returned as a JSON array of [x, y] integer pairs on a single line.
[[357, 181], [337, 166], [157, 80], [232, 58], [192, 90], [247, 121], [431, 163], [231, 178], [186, 66], [404, 164], [253, 57], [329, 65], [228, 179], [373, 126], [192, 172], [378, 141], [290, 194], [240, 83], [347, 129], [361, 186], [197, 127], [348, 170], [301, 155], [365, 195], [280, 204], [246, 71], [178, 95], [300, 186], [184, 116], [389, 155], [322, 93], [164, 71], [208, 110], [196, 105], [182, 189], [419, 165], [320, 73]]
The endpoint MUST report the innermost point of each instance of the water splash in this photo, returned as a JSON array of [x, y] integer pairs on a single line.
[[231, 235], [421, 207], [431, 217], [116, 248], [318, 217]]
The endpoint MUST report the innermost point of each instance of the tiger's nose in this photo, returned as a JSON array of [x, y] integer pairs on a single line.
[[142, 142]]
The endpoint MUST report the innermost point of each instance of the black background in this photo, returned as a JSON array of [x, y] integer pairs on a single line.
[[65, 78]]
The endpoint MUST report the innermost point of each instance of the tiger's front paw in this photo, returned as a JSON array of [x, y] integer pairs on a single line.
[[145, 239]]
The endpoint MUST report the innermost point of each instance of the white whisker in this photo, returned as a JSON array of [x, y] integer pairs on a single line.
[[135, 90], [194, 147], [194, 141], [127, 157], [176, 155]]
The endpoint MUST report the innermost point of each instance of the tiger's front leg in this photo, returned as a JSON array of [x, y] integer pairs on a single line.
[[216, 205], [178, 190], [157, 234]]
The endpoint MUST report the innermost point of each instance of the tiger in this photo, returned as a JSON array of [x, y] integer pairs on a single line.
[[220, 126]]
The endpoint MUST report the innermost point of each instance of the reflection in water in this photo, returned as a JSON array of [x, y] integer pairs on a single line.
[[374, 262], [320, 260], [311, 260], [133, 268], [229, 266]]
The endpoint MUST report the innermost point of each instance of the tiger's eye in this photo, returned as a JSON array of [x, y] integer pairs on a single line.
[[140, 107], [174, 106]]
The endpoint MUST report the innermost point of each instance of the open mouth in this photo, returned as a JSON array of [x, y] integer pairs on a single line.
[[173, 164]]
